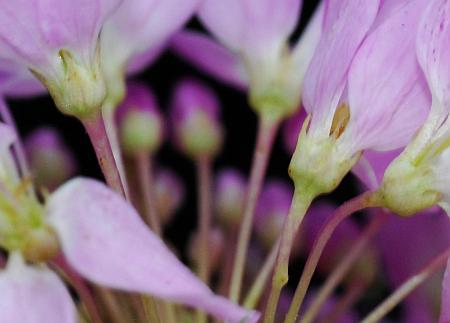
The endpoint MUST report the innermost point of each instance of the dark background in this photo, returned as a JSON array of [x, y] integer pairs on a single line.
[[239, 121]]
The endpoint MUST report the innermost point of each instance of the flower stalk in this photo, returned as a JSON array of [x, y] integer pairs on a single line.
[[267, 130]]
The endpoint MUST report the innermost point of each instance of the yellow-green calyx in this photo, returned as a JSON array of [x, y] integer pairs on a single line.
[[407, 186], [76, 85], [23, 227], [317, 165]]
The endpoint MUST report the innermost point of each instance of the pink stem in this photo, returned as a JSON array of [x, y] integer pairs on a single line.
[[365, 200], [406, 288], [266, 135], [95, 128], [344, 265], [82, 289]]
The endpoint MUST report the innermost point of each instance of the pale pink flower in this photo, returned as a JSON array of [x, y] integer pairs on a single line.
[[254, 51], [103, 239]]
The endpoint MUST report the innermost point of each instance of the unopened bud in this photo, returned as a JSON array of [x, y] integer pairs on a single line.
[[195, 120], [51, 162], [230, 195], [169, 194], [216, 245], [140, 122]]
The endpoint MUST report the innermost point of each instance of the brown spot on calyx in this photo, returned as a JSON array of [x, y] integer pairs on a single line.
[[340, 120]]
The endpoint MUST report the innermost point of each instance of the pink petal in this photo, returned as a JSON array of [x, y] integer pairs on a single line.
[[33, 295], [15, 80], [433, 49], [372, 165], [208, 55], [143, 25], [104, 239], [251, 24], [388, 97], [445, 306], [33, 32], [345, 25]]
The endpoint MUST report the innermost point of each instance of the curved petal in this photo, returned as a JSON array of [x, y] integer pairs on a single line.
[[251, 25], [433, 49], [33, 295], [104, 239], [210, 56], [345, 25], [445, 300], [15, 80], [34, 31], [142, 25], [372, 165], [8, 136], [388, 97]]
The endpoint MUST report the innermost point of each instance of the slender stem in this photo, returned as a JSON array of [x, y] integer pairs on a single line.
[[255, 293], [344, 265], [267, 131], [204, 224], [225, 273], [406, 288], [145, 175], [113, 137], [365, 200], [99, 139], [81, 288], [300, 204], [353, 292], [116, 312]]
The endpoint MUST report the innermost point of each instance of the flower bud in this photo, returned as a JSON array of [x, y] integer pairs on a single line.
[[195, 120], [230, 195], [216, 244], [169, 194], [272, 210], [140, 122], [51, 162]]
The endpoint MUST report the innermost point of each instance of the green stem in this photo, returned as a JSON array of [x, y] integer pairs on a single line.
[[365, 200], [267, 131], [344, 265], [97, 133], [300, 204], [257, 289], [406, 288]]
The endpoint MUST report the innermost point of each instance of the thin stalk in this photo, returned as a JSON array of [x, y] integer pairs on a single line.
[[97, 133], [344, 265], [407, 287], [365, 200], [353, 292], [267, 131], [204, 224], [225, 274], [145, 176], [108, 114], [81, 288], [115, 311], [260, 283], [300, 204]]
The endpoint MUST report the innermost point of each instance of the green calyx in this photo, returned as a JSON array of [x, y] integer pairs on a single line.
[[317, 165], [76, 86], [23, 227], [407, 186]]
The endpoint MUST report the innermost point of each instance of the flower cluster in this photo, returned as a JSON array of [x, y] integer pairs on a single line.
[[364, 89]]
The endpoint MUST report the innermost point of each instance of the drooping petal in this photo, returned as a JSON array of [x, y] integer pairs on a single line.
[[372, 165], [34, 31], [345, 25], [445, 299], [142, 25], [33, 295], [208, 55], [433, 50], [8, 170], [251, 25], [104, 239], [388, 97], [16, 80]]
